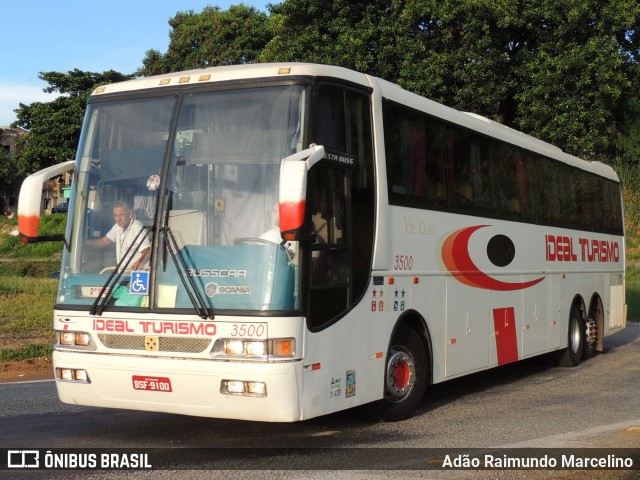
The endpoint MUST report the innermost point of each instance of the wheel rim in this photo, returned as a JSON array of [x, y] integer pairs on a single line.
[[574, 336], [401, 374]]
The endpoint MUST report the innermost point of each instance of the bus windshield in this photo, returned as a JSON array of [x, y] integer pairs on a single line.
[[175, 202]]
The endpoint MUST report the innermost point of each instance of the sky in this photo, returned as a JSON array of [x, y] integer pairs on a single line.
[[95, 36]]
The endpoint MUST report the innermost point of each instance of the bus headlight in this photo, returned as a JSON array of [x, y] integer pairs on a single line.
[[243, 387], [75, 340], [259, 349], [72, 375]]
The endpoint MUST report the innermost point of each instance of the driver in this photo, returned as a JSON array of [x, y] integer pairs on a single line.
[[123, 234]]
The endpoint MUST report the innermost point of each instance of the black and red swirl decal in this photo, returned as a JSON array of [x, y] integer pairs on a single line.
[[500, 250]]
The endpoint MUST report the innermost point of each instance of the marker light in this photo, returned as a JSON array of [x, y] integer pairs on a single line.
[[283, 347]]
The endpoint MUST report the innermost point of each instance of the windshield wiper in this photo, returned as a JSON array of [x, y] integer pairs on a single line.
[[195, 296], [108, 288]]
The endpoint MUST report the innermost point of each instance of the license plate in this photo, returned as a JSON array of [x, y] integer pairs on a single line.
[[154, 384]]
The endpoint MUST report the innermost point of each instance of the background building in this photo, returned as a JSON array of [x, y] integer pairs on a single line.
[[55, 191]]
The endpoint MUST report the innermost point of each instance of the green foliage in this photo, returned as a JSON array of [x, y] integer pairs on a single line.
[[34, 259], [628, 139], [26, 308], [558, 69], [629, 174], [54, 127], [371, 37], [212, 37], [25, 353], [572, 82], [10, 174]]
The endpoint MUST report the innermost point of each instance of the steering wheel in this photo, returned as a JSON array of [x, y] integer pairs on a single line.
[[107, 269], [251, 241]]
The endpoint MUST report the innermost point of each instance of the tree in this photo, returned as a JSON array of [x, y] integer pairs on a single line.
[[368, 36], [210, 38], [575, 75], [558, 69], [10, 175], [54, 127]]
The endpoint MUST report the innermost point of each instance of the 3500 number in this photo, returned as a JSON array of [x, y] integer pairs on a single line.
[[403, 262], [248, 330]]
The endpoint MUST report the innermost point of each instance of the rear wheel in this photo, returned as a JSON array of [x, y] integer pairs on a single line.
[[592, 332], [405, 377], [571, 356]]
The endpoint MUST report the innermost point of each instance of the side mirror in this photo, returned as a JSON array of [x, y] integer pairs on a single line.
[[30, 200], [293, 189]]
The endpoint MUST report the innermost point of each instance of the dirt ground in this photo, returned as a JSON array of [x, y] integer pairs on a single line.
[[32, 369]]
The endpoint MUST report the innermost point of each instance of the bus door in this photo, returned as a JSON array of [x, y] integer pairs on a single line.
[[329, 252], [340, 204]]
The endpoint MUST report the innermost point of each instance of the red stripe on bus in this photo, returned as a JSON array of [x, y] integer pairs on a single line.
[[456, 258], [504, 321]]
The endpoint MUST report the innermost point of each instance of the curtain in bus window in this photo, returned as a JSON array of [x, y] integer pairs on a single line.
[[416, 167], [419, 148], [459, 171], [612, 208], [132, 133], [509, 173], [435, 164], [548, 192], [567, 194], [245, 197], [249, 126], [584, 195]]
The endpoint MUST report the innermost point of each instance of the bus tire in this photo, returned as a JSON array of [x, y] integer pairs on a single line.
[[592, 330], [405, 377], [571, 356]]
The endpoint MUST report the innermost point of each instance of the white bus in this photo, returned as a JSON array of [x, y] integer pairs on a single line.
[[278, 242]]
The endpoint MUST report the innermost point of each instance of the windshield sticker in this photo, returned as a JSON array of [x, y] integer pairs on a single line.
[[213, 288], [139, 284], [153, 182]]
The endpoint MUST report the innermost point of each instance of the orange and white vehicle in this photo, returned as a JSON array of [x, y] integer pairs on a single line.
[[319, 239]]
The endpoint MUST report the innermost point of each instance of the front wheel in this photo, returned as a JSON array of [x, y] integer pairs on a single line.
[[405, 377]]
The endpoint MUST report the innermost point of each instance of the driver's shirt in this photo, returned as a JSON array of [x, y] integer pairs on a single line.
[[124, 238]]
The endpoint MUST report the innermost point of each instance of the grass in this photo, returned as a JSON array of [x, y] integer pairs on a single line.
[[25, 353], [34, 259], [26, 311], [27, 294]]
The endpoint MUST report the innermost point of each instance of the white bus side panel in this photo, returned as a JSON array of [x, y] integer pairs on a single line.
[[468, 331], [535, 320]]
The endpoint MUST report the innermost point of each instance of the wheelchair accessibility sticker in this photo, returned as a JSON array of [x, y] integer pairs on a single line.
[[139, 284]]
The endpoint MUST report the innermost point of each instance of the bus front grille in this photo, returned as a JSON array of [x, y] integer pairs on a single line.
[[154, 343]]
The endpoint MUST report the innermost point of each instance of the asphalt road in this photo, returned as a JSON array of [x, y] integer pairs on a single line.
[[526, 405]]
